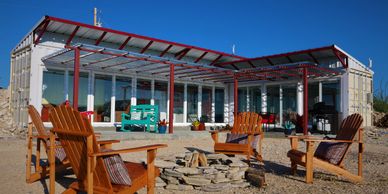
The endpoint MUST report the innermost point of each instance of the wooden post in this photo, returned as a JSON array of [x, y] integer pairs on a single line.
[[51, 161], [309, 161], [29, 152], [89, 173], [151, 154]]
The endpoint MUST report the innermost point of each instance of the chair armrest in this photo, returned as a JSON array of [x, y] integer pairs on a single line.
[[125, 115], [122, 151], [302, 137], [101, 142], [40, 136], [330, 140]]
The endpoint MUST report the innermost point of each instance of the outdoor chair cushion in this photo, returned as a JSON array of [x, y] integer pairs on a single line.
[[331, 151], [135, 115], [242, 139], [59, 151], [146, 113], [117, 170]]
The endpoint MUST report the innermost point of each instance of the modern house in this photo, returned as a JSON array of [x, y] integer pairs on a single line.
[[117, 69]]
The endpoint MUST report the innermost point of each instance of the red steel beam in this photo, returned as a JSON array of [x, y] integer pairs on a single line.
[[105, 59], [146, 47], [204, 76], [171, 109], [42, 31], [165, 50], [179, 55], [338, 55], [186, 72], [98, 41], [216, 59], [125, 43], [218, 77], [72, 35], [235, 92], [200, 57], [136, 36], [76, 77], [305, 102]]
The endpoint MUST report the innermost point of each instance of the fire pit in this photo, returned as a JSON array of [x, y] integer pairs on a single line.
[[207, 172]]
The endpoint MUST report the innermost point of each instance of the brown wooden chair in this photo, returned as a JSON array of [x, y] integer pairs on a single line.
[[330, 153], [42, 137], [76, 135], [247, 128]]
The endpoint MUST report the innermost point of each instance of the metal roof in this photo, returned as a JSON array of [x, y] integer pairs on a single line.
[[125, 41], [315, 55]]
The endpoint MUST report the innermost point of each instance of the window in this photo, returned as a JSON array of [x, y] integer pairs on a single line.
[[219, 105], [289, 99], [331, 94], [192, 103], [242, 100], [82, 90], [160, 98], [178, 102], [53, 87], [143, 95], [102, 98], [255, 99], [206, 104], [123, 93]]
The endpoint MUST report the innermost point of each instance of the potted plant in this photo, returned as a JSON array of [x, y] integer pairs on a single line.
[[162, 126], [202, 122], [195, 125]]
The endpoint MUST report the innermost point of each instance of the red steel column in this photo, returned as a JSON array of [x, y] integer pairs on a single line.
[[305, 102], [235, 92], [171, 109], [76, 78]]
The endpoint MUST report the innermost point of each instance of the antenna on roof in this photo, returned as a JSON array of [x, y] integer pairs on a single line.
[[95, 14], [370, 63], [234, 49]]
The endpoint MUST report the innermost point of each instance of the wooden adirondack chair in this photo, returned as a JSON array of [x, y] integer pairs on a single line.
[[330, 153], [42, 137], [76, 134], [247, 124]]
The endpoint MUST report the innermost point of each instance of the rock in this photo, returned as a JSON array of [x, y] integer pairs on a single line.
[[165, 164], [160, 182], [240, 185], [181, 162], [206, 176], [220, 167], [216, 187], [169, 172], [196, 181], [256, 176], [188, 171], [179, 187], [236, 176], [188, 156], [210, 171], [235, 162], [216, 157], [220, 180], [169, 178], [172, 180]]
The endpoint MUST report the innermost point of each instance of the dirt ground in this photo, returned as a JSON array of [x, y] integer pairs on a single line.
[[277, 165]]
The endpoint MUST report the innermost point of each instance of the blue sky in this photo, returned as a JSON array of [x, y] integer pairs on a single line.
[[256, 27]]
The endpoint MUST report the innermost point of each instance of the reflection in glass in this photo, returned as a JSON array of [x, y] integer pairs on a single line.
[[53, 87], [206, 104], [143, 91], [219, 105], [331, 94], [289, 98], [192, 103], [102, 97], [273, 103], [178, 102], [123, 96], [242, 100], [160, 98], [82, 90], [255, 99]]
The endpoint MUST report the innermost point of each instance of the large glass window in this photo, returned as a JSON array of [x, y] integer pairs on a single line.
[[255, 99], [123, 96], [192, 103], [206, 104], [53, 87], [219, 105], [289, 99], [178, 102], [102, 98], [160, 98], [273, 101], [242, 100], [82, 90], [143, 95], [313, 92], [331, 94]]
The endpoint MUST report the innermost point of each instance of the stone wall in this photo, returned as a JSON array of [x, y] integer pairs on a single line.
[[7, 127]]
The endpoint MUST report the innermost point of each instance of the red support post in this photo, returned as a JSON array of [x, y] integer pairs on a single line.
[[76, 77], [235, 92], [305, 102], [171, 109]]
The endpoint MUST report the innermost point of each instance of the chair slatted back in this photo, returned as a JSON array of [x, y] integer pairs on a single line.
[[247, 122], [36, 120], [349, 127], [65, 118]]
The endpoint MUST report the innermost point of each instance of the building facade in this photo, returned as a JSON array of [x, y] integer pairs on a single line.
[[36, 81]]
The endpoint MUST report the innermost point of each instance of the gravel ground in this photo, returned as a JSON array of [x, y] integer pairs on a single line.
[[12, 167]]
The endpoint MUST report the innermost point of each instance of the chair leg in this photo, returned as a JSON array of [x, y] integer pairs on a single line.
[[294, 167], [309, 162]]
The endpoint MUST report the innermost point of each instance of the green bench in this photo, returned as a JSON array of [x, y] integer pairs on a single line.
[[141, 115]]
